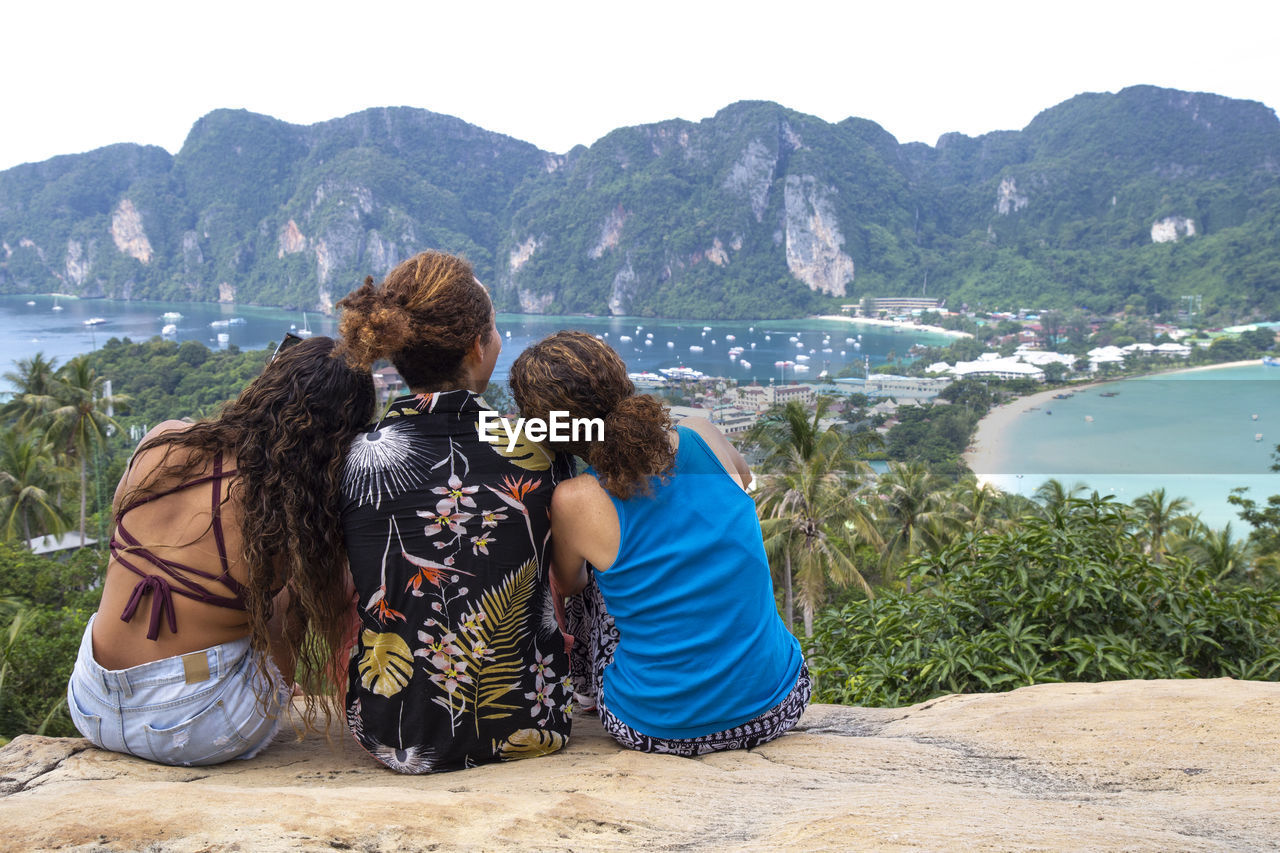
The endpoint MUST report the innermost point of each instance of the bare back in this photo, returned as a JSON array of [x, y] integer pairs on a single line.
[[177, 528]]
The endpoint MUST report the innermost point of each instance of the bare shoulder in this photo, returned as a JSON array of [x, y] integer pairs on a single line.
[[728, 455], [577, 494]]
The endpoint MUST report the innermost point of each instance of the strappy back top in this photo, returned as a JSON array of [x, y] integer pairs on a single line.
[[159, 586]]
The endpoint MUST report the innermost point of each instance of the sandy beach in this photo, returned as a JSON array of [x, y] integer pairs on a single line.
[[983, 455], [915, 327]]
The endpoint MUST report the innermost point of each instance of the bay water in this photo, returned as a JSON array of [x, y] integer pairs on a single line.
[[824, 343], [1198, 434]]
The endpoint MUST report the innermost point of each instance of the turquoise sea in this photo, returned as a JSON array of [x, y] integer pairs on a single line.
[[62, 334], [1198, 434]]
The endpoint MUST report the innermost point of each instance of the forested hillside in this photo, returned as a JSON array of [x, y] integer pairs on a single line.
[[1106, 200]]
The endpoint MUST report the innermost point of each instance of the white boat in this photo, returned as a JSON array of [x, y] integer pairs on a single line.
[[305, 331], [626, 339], [1271, 361], [681, 373], [801, 368], [31, 302], [695, 348], [237, 321], [169, 329], [94, 321], [56, 306], [730, 337], [706, 328], [648, 342], [223, 337], [171, 315], [645, 379], [802, 357], [219, 324], [744, 363]]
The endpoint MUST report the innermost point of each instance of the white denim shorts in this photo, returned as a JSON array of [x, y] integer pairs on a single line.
[[198, 708]]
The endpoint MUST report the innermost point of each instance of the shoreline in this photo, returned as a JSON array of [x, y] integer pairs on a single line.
[[895, 324], [984, 452]]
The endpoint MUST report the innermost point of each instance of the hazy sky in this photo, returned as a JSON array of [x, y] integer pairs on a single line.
[[79, 75]]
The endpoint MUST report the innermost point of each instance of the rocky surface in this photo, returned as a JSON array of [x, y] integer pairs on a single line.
[[1159, 765]]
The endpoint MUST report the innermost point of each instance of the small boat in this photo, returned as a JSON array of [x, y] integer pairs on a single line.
[[169, 329], [171, 315], [695, 348], [1271, 361], [219, 324], [237, 321], [1253, 417], [31, 302], [1088, 419], [223, 337], [305, 331], [1109, 394], [1257, 436], [94, 321], [671, 344], [744, 363], [730, 337], [56, 306], [626, 339], [648, 342]]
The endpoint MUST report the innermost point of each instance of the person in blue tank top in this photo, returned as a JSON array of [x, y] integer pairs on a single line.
[[658, 545]]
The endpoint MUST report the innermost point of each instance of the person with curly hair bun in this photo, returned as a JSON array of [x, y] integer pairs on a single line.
[[459, 659], [672, 608], [226, 571]]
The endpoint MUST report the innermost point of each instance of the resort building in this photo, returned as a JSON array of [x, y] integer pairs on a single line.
[[761, 397], [888, 385], [991, 364], [894, 306]]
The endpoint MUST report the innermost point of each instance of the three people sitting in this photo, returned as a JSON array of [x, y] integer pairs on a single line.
[[254, 542]]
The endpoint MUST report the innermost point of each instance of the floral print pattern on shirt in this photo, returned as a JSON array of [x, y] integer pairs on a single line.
[[459, 659]]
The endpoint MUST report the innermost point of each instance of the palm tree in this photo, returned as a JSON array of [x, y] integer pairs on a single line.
[[1160, 515], [34, 382], [805, 509], [1053, 494], [977, 505], [81, 422], [914, 511], [788, 428], [1216, 550], [28, 478]]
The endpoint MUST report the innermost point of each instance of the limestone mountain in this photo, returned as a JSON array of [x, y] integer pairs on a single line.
[[1104, 200]]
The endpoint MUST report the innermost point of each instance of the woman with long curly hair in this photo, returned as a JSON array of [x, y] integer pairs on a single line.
[[226, 570], [459, 660], [678, 636]]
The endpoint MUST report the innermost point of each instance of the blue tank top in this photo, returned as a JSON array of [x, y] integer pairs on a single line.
[[702, 647]]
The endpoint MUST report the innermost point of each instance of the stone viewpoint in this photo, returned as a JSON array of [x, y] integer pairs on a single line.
[[1131, 765]]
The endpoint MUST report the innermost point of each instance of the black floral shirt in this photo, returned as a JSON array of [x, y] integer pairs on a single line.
[[459, 660]]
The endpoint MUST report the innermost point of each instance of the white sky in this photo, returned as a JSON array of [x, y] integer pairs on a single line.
[[79, 75]]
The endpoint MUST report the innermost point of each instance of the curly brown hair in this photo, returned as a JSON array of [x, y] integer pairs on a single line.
[[424, 317], [288, 432], [577, 373]]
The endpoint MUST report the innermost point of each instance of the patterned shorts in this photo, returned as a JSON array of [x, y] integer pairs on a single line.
[[596, 637]]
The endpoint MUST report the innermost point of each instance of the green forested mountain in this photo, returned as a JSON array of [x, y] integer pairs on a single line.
[[1104, 200]]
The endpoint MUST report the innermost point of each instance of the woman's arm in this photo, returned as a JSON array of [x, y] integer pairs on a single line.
[[584, 528]]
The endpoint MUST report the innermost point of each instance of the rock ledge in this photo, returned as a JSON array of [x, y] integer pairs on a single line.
[[1147, 765]]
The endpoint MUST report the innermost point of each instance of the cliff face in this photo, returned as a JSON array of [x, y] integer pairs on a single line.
[[1161, 765], [757, 211]]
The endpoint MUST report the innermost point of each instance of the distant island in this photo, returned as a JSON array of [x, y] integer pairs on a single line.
[[1104, 202]]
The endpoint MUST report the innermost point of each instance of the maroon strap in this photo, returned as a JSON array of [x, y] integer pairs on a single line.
[[158, 585]]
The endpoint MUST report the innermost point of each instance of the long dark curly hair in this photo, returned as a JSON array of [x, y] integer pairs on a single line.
[[288, 432], [577, 373]]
